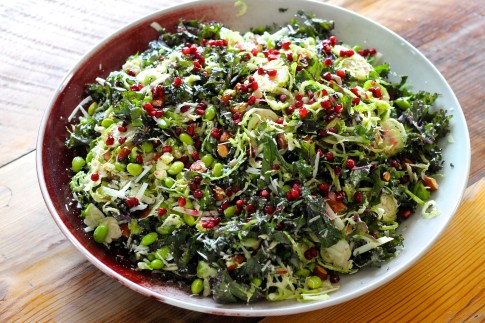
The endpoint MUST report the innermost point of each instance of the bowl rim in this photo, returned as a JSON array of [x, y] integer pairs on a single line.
[[248, 310]]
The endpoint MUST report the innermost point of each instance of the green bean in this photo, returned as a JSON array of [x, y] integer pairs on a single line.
[[147, 147], [77, 163], [149, 238], [197, 286], [217, 171], [157, 264], [210, 113], [175, 168], [207, 159], [134, 169], [100, 233], [107, 122], [314, 282], [186, 138]]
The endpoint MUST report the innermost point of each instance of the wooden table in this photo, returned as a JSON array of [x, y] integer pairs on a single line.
[[44, 278]]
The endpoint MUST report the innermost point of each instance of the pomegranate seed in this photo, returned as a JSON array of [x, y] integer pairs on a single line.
[[198, 194], [240, 202], [320, 152], [338, 108], [269, 209], [334, 278], [199, 111], [195, 156], [264, 194], [358, 197], [167, 149], [311, 253], [94, 177], [340, 196], [236, 189], [350, 163], [280, 226], [276, 167], [325, 103], [372, 51], [184, 159], [303, 112], [298, 97], [130, 73], [283, 97], [148, 106], [298, 104], [261, 71], [139, 159], [337, 170], [162, 211], [349, 53], [193, 186], [254, 85], [286, 45], [243, 87], [228, 192], [182, 201], [328, 61], [237, 117], [332, 130], [225, 204], [329, 156], [110, 140], [289, 56], [198, 179], [323, 187], [406, 213], [122, 140], [290, 110], [294, 193], [327, 76], [333, 40], [377, 92], [289, 197], [272, 73], [355, 101], [216, 133], [122, 129], [341, 73], [132, 202], [177, 82], [279, 121], [250, 208], [251, 100]]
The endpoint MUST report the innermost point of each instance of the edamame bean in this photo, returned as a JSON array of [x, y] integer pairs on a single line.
[[303, 272], [169, 182], [163, 123], [149, 238], [89, 157], [107, 122], [217, 171], [100, 233], [403, 103], [133, 154], [207, 160], [120, 166], [147, 147], [164, 252], [314, 282], [156, 264], [189, 220], [186, 138], [92, 108], [77, 163], [197, 286], [134, 169], [210, 113], [257, 282], [230, 211], [175, 168]]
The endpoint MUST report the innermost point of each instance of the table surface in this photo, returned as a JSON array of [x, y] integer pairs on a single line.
[[43, 277]]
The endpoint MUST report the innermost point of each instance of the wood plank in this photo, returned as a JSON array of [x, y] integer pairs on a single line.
[[44, 278]]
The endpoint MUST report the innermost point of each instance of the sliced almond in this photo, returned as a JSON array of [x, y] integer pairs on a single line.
[[431, 183], [222, 150], [386, 176]]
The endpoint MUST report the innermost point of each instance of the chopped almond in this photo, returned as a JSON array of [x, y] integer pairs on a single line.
[[431, 183], [386, 176], [222, 150]]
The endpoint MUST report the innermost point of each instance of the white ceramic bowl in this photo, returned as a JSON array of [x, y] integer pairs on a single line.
[[351, 28]]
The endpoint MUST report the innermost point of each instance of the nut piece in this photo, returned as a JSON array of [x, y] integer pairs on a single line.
[[225, 136], [239, 108], [157, 103], [320, 272], [198, 167], [386, 176], [431, 183], [218, 193], [222, 150], [281, 141]]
